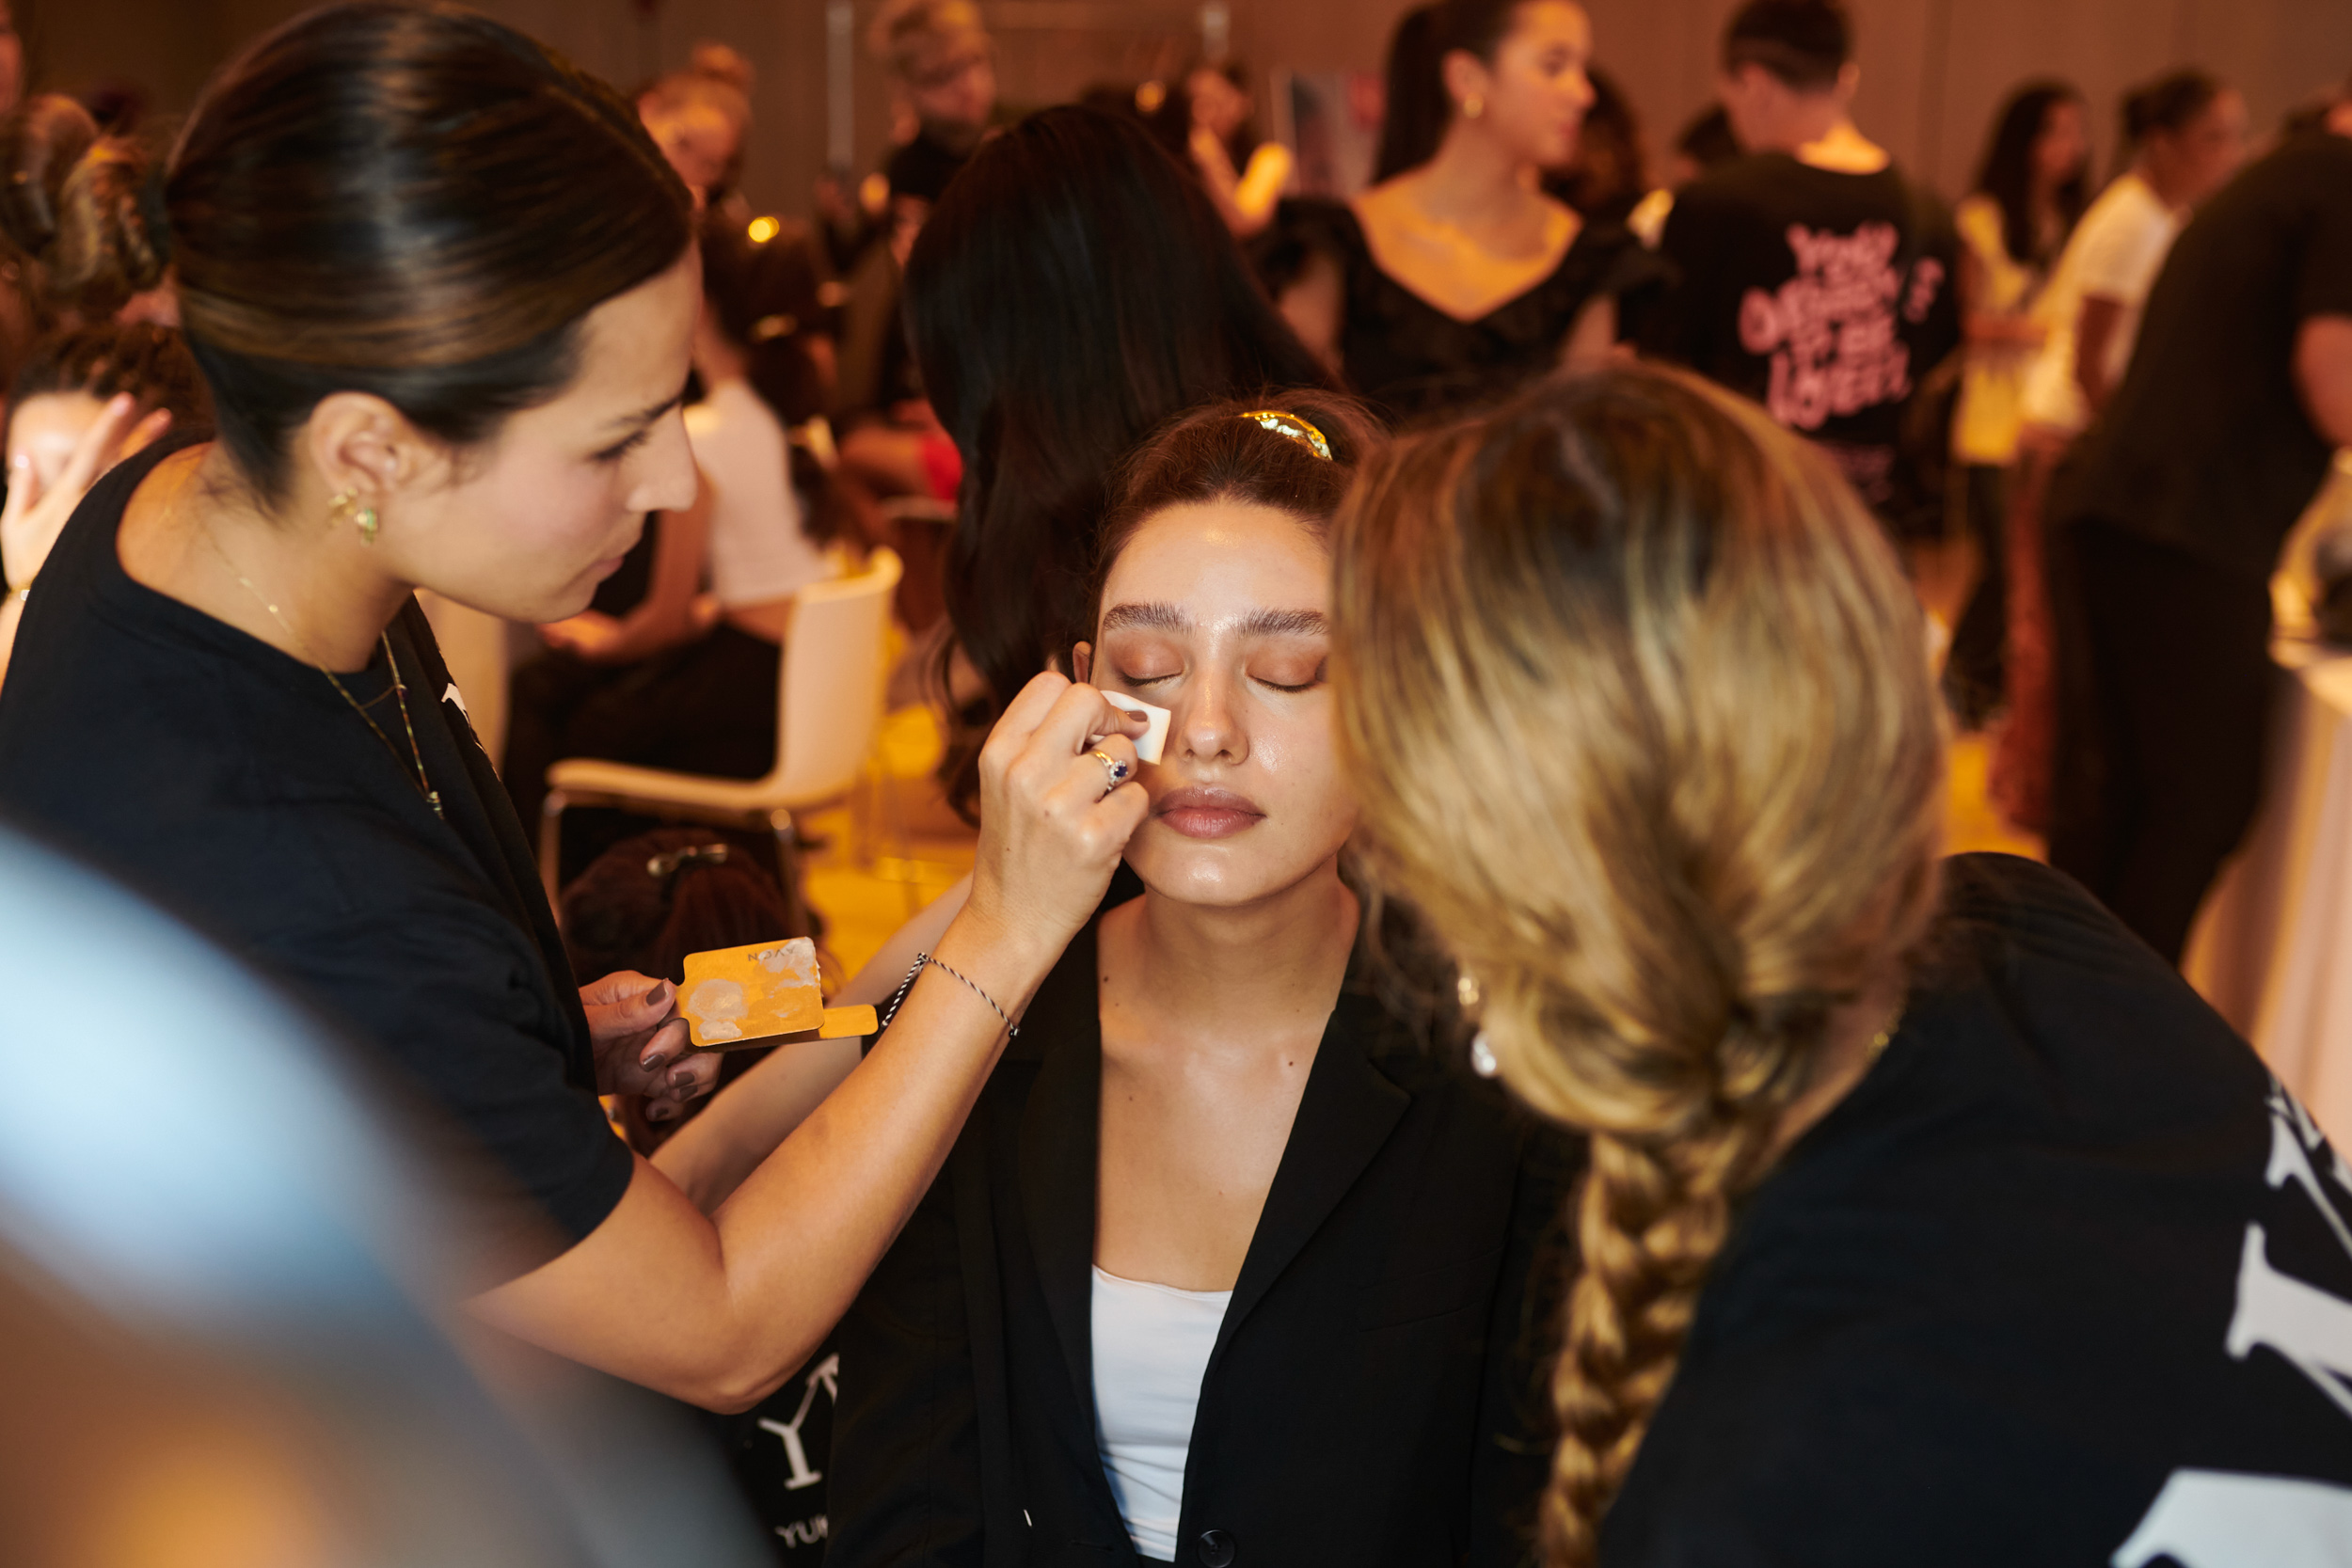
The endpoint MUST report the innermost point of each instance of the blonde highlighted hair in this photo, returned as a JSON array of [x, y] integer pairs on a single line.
[[1637, 704]]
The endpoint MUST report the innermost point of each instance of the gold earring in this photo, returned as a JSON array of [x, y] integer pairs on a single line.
[[345, 506], [1473, 106]]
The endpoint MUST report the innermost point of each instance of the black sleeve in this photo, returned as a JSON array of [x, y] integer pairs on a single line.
[[1674, 326], [906, 1473], [2323, 282], [447, 991], [1304, 228], [1932, 306], [1516, 1424], [1636, 277]]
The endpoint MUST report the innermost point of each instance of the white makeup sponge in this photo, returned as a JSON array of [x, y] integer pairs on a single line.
[[1155, 739]]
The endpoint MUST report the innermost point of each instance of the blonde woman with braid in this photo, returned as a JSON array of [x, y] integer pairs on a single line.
[[1930, 1219]]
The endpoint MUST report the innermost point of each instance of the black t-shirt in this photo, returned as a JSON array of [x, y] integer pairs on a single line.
[[1827, 297], [232, 784], [2066, 1270], [2207, 446]]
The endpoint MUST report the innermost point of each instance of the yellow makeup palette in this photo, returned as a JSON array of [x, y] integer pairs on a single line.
[[736, 997]]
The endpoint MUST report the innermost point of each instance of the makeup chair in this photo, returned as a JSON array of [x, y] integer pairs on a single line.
[[830, 702]]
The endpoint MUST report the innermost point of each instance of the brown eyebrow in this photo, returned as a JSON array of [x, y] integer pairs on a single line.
[[646, 417], [1159, 616], [1286, 622]]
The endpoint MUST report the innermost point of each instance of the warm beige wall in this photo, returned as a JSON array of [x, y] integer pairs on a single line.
[[1932, 70]]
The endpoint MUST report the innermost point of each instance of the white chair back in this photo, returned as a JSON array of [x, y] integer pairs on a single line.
[[830, 696]]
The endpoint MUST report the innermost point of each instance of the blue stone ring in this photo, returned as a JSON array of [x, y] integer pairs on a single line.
[[1113, 771]]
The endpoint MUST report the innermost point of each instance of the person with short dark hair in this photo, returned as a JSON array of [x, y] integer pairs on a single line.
[[2170, 519], [1812, 276]]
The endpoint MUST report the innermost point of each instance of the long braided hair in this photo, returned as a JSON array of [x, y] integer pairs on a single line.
[[1640, 717]]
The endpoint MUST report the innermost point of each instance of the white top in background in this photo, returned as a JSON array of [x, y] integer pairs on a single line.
[[1152, 1344], [2116, 252], [757, 551]]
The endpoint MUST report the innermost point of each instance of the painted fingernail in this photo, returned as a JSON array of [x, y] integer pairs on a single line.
[[658, 995], [682, 1076], [651, 1061]]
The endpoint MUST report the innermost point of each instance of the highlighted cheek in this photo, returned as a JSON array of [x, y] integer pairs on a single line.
[[1153, 743]]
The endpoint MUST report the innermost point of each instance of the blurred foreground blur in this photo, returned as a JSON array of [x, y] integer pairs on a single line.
[[227, 1279]]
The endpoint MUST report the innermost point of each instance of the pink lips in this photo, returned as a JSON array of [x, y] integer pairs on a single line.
[[1198, 811]]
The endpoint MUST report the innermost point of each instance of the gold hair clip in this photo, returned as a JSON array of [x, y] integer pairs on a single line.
[[1291, 428]]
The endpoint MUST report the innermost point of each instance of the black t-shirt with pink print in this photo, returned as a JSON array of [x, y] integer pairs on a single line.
[[1828, 299], [2065, 1280]]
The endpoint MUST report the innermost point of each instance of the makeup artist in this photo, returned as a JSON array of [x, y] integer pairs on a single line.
[[442, 287]]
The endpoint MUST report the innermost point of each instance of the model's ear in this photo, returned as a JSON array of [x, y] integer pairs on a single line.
[[1082, 662]]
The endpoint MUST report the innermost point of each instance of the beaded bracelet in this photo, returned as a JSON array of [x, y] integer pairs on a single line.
[[1013, 1030]]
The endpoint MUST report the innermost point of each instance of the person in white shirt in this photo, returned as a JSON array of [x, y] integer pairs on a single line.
[[2187, 133]]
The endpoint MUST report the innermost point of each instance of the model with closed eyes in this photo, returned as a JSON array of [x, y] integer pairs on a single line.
[[1230, 1264]]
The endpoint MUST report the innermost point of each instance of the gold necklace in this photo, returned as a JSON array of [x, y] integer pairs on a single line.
[[399, 687]]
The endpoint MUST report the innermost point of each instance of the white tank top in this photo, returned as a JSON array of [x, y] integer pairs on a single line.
[[757, 551], [1152, 1344]]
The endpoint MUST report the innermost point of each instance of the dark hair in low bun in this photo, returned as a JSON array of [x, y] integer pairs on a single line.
[[405, 199]]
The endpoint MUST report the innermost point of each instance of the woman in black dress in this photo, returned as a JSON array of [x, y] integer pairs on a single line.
[[442, 288], [1459, 281]]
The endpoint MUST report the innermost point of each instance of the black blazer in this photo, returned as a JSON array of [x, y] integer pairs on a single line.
[[1376, 1393]]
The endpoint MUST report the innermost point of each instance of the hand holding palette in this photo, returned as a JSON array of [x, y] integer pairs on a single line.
[[1155, 739], [742, 996]]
